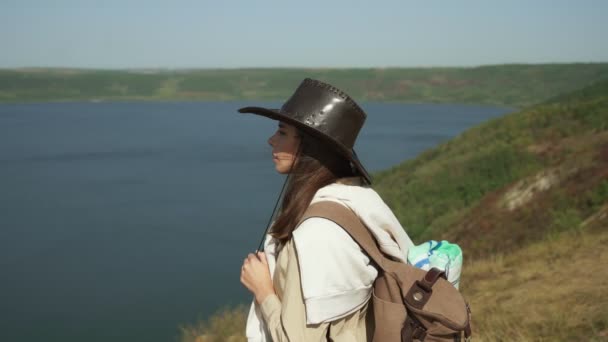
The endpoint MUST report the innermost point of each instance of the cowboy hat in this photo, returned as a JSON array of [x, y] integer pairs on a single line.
[[324, 112]]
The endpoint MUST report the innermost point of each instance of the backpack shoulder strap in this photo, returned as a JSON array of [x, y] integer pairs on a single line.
[[348, 220]]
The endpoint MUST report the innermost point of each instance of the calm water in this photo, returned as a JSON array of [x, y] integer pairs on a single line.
[[120, 221]]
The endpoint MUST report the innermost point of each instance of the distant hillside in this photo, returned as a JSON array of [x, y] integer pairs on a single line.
[[512, 85]]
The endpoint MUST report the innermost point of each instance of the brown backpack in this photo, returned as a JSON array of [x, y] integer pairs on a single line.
[[409, 304]]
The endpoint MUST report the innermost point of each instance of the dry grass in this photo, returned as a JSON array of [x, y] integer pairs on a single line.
[[227, 325], [556, 290]]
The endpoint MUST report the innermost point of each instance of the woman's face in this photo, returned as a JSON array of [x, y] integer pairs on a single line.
[[284, 142]]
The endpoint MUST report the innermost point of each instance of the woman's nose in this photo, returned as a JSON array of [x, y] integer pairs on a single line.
[[271, 140]]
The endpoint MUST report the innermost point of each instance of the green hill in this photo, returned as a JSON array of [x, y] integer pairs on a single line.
[[526, 196], [514, 85], [545, 167]]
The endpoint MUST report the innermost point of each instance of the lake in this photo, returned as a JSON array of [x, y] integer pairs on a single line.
[[121, 221]]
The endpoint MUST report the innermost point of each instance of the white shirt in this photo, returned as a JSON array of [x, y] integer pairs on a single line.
[[336, 274]]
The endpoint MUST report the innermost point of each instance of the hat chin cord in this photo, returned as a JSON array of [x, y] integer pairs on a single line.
[[279, 198]]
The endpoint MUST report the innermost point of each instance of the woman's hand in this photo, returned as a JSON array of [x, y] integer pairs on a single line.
[[255, 275]]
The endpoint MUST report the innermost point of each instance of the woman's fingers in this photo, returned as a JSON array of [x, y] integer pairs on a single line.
[[262, 257], [251, 264], [245, 274], [255, 275], [250, 258]]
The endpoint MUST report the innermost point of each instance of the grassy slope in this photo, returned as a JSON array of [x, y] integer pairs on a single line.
[[512, 85], [526, 196], [545, 167], [227, 325], [556, 290]]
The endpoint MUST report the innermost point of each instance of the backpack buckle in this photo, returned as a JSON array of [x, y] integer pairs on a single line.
[[419, 333], [412, 330]]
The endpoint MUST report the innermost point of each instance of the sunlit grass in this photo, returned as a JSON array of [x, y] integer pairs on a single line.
[[555, 290], [226, 325]]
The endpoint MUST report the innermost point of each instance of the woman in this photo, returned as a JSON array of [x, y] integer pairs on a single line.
[[313, 281]]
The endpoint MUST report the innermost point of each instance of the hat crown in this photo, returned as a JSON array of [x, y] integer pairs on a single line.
[[327, 109]]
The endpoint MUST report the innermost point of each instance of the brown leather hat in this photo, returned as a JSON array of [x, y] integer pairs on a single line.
[[325, 112]]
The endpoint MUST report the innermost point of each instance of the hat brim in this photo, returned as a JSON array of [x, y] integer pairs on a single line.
[[275, 114]]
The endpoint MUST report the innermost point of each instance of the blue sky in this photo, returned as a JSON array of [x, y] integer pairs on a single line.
[[312, 33]]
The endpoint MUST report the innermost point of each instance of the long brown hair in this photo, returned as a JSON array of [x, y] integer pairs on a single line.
[[316, 166]]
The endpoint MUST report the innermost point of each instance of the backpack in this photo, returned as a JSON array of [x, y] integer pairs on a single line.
[[409, 304]]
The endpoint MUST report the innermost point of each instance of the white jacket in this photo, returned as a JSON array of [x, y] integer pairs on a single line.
[[336, 274]]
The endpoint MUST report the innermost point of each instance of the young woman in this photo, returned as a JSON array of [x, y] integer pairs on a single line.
[[313, 282]]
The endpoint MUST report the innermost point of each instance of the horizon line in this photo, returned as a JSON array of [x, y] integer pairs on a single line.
[[161, 68]]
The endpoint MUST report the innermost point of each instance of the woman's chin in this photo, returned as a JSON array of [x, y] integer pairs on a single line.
[[281, 169]]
